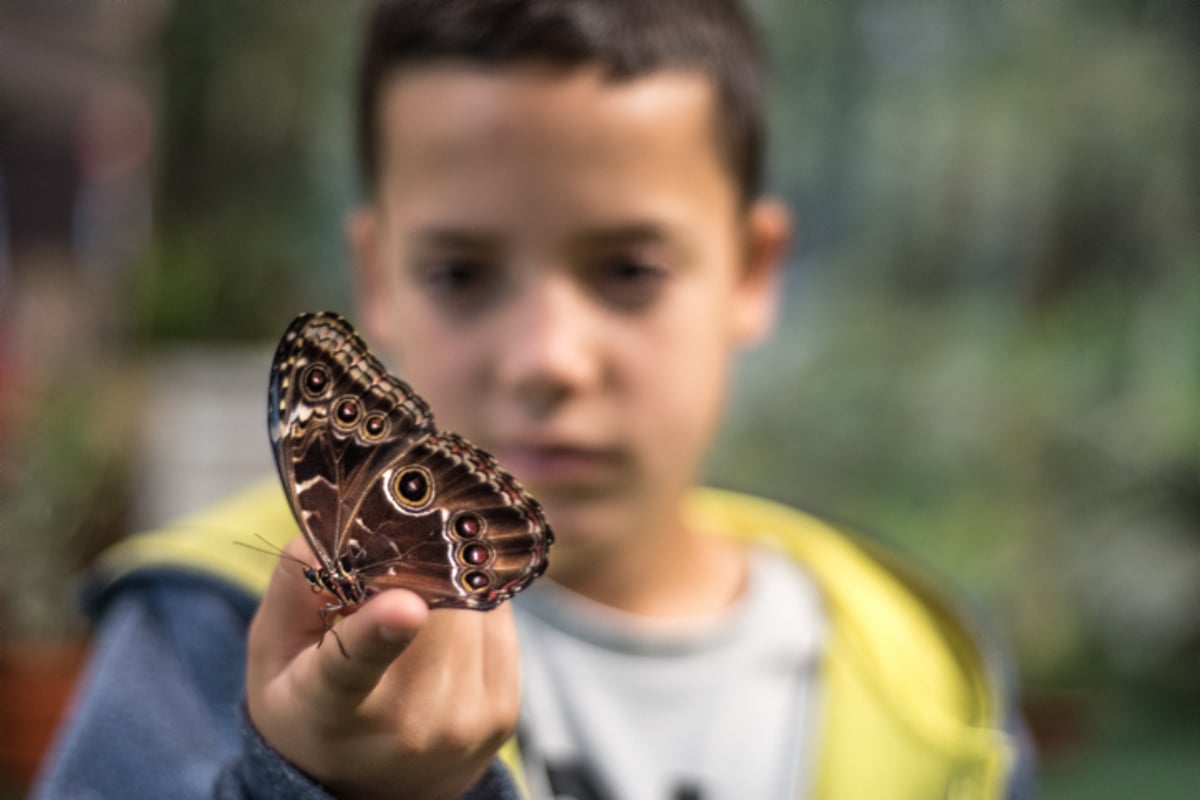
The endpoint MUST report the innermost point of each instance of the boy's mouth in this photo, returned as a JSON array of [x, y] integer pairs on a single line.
[[556, 464]]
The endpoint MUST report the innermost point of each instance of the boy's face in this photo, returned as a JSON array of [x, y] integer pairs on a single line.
[[561, 267]]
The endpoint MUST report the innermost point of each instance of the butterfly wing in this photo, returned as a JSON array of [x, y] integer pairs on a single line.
[[480, 538], [335, 415]]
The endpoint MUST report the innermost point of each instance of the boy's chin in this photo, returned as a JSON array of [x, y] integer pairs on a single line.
[[586, 524]]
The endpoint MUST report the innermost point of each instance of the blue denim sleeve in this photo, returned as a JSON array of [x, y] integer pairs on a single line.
[[155, 714], [159, 712]]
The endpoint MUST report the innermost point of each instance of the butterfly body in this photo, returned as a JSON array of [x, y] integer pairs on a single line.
[[383, 498]]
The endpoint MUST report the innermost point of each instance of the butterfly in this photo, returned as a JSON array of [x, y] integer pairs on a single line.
[[383, 498]]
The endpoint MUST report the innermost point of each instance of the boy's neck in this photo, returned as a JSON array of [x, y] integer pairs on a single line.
[[673, 573]]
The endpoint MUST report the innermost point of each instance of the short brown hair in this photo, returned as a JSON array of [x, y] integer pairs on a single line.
[[626, 38]]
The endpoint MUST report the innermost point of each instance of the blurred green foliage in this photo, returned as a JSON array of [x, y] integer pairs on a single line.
[[254, 171], [64, 497]]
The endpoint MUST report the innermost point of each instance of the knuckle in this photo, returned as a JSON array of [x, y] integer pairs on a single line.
[[507, 710], [463, 733], [343, 678], [415, 741], [459, 740]]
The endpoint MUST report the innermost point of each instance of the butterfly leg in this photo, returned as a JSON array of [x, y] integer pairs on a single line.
[[345, 590], [332, 608]]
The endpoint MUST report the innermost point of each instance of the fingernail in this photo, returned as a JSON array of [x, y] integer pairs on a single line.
[[394, 634]]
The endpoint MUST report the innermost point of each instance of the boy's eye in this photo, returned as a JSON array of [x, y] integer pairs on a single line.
[[453, 273], [459, 281], [630, 281]]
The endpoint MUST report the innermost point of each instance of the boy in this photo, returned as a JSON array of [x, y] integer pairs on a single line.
[[562, 247]]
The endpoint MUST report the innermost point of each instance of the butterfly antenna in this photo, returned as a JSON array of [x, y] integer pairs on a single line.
[[272, 550]]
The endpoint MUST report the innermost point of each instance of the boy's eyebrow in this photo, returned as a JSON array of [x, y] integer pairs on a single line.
[[458, 238], [621, 233], [624, 233]]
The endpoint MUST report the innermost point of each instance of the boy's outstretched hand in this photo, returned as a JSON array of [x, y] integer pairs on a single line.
[[417, 708]]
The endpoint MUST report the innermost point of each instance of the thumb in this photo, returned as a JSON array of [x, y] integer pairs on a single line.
[[366, 643]]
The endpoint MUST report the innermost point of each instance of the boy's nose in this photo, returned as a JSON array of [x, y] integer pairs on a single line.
[[549, 350]]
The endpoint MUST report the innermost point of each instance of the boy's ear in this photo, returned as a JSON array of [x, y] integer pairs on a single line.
[[768, 232], [363, 233]]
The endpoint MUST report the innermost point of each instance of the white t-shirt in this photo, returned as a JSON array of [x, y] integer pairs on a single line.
[[617, 706]]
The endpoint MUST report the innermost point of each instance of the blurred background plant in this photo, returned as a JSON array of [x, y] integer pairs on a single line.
[[990, 353], [66, 498]]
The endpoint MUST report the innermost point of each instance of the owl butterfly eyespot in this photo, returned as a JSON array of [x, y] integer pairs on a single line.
[[383, 498]]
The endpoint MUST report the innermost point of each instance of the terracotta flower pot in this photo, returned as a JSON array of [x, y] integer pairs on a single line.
[[36, 682]]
